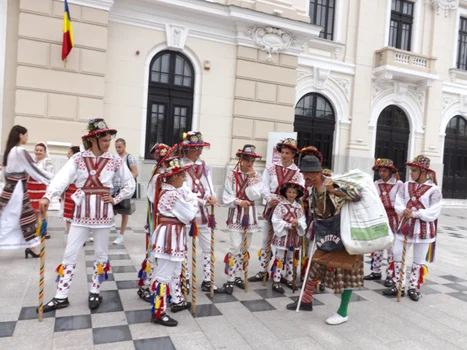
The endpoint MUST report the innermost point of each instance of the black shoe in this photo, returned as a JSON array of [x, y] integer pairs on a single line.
[[322, 288], [94, 301], [228, 287], [184, 305], [393, 291], [206, 287], [276, 287], [47, 236], [291, 285], [239, 283], [28, 252], [303, 306], [164, 320], [258, 277], [373, 277], [413, 294], [144, 294], [388, 282], [55, 304]]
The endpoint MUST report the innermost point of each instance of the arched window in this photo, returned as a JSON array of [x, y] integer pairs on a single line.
[[392, 137], [314, 124], [455, 159], [170, 99]]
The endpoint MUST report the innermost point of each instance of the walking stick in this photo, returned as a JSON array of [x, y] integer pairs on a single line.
[[42, 231], [185, 290], [212, 225], [313, 247], [193, 234], [402, 270], [268, 250], [245, 224]]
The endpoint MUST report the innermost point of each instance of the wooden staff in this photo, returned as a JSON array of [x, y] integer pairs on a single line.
[[184, 281], [404, 251], [313, 247], [42, 231], [268, 251], [245, 224], [193, 274], [212, 225]]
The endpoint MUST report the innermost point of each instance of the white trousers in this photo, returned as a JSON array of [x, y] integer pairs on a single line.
[[419, 259], [168, 272], [236, 242], [204, 242], [76, 238]]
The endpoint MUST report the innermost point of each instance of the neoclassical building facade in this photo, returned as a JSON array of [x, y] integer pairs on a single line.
[[357, 79]]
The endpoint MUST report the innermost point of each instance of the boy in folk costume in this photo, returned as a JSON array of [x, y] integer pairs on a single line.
[[388, 185], [331, 263], [289, 224], [93, 171], [274, 176], [419, 205], [199, 181], [175, 210], [242, 188], [159, 152]]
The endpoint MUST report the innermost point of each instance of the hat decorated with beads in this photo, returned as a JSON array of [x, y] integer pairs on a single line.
[[384, 163], [96, 127], [311, 151], [193, 139], [292, 184], [174, 166], [422, 162], [288, 143], [248, 151]]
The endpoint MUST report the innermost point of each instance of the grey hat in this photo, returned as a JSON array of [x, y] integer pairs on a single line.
[[310, 164]]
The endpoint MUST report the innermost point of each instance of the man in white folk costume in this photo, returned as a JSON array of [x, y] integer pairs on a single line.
[[93, 172], [274, 176], [419, 205], [388, 185], [243, 186], [199, 181]]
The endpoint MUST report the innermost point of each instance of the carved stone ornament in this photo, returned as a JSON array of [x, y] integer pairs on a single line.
[[303, 74], [321, 76], [176, 36], [418, 93], [449, 100], [272, 40], [446, 5], [379, 86], [344, 84], [400, 89]]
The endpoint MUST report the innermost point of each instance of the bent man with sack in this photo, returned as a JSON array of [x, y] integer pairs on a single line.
[[331, 263]]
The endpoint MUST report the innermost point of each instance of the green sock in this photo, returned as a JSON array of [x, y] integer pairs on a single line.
[[345, 299]]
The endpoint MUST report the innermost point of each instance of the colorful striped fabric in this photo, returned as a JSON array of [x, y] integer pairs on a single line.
[[68, 40]]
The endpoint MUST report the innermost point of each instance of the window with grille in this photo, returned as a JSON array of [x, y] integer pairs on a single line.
[[400, 28], [322, 14], [462, 45]]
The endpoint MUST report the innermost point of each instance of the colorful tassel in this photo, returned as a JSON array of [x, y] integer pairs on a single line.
[[100, 269], [259, 254], [245, 221], [226, 263], [430, 255], [304, 265], [231, 261], [295, 262], [391, 268], [372, 261], [423, 273], [194, 229], [212, 221], [291, 248], [148, 267], [280, 264], [273, 269]]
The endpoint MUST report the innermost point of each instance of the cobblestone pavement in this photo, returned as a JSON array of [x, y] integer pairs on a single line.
[[254, 320]]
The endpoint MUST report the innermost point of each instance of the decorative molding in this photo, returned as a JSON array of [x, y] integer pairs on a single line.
[[418, 93], [448, 101], [343, 83], [272, 40], [97, 4], [321, 76], [400, 89], [379, 86], [303, 74], [463, 104], [176, 36], [446, 5]]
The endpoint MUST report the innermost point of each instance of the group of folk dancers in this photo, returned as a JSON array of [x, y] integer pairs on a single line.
[[300, 200]]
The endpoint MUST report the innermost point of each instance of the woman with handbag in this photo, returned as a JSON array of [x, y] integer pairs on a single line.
[[331, 263]]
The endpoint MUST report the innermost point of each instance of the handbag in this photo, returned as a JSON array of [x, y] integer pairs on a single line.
[[327, 231], [125, 207]]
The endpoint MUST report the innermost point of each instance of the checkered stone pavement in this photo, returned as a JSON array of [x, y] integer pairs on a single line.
[[256, 319]]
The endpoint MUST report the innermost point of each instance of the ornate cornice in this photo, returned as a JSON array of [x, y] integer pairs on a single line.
[[98, 4], [445, 5]]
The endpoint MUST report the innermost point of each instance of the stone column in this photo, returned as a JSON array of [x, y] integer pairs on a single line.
[[264, 97], [54, 100]]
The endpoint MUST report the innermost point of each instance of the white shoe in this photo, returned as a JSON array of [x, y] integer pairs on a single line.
[[119, 239], [336, 319]]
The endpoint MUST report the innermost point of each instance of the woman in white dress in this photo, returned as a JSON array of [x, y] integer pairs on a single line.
[[17, 218]]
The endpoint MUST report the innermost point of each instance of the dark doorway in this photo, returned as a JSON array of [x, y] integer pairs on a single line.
[[455, 159]]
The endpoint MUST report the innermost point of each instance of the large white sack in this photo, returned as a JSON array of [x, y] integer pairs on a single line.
[[364, 224]]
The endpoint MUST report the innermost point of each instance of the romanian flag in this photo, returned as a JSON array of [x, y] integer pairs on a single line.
[[68, 41]]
